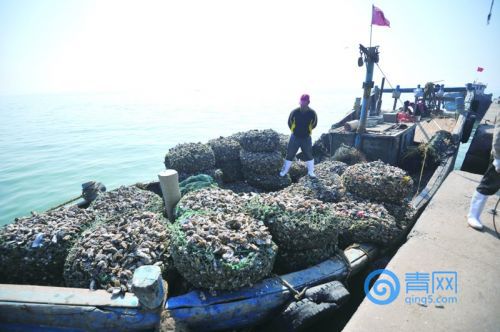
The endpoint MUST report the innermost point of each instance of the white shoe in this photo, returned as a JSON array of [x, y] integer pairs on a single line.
[[310, 168], [476, 207], [285, 168]]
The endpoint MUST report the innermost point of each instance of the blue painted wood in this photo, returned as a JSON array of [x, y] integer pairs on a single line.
[[78, 317], [65, 295], [250, 305], [34, 328], [325, 271], [232, 315]]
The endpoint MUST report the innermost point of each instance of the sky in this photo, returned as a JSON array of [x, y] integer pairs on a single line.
[[262, 46]]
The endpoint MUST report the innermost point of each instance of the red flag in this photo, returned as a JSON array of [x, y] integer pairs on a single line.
[[480, 69], [378, 17]]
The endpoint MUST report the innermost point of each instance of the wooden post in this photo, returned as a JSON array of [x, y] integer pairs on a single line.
[[169, 183], [148, 286]]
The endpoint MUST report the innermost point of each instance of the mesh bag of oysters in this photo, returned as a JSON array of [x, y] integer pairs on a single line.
[[298, 225], [108, 253], [327, 186], [227, 158], [192, 159], [378, 181], [221, 250], [213, 199], [266, 140], [261, 159], [125, 199], [33, 249], [349, 155], [364, 221]]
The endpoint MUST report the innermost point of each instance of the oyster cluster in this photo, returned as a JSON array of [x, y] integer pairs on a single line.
[[107, 254], [349, 155], [294, 260], [378, 181], [227, 158], [266, 140], [33, 249], [261, 160], [190, 158], [222, 251], [365, 221], [403, 212], [298, 225], [330, 166], [297, 170], [327, 186], [283, 145], [213, 199], [126, 199]]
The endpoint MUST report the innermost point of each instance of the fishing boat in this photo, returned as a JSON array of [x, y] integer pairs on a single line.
[[38, 308]]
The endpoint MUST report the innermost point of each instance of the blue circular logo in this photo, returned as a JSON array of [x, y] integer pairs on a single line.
[[384, 291]]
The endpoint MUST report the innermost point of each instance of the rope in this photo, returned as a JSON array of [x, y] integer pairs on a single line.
[[399, 99], [65, 203], [489, 14], [296, 294], [347, 262], [494, 212], [422, 170]]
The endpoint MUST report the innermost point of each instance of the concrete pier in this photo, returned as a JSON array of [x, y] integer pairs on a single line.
[[441, 241]]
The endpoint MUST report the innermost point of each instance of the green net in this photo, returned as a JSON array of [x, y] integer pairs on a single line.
[[190, 158], [349, 155], [364, 221], [295, 222], [221, 251], [33, 249], [378, 181], [108, 253], [212, 199], [196, 182], [293, 260], [126, 199]]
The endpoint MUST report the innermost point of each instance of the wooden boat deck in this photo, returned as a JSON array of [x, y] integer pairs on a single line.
[[432, 126]]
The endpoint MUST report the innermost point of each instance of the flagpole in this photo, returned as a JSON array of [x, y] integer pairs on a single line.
[[371, 27]]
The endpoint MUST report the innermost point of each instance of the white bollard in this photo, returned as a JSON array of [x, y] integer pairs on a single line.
[[169, 183]]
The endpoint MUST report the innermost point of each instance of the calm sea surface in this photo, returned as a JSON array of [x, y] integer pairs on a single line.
[[51, 144]]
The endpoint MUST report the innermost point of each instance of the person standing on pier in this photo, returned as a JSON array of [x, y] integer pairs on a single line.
[[490, 183], [301, 122]]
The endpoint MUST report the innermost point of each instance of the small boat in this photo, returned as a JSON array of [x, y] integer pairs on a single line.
[[38, 308]]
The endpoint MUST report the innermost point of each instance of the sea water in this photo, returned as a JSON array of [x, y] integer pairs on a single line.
[[51, 144]]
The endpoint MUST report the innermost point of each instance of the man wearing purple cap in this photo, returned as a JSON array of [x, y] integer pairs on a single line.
[[301, 122]]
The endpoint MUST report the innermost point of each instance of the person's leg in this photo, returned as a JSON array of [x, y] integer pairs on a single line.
[[291, 151], [306, 147], [489, 185]]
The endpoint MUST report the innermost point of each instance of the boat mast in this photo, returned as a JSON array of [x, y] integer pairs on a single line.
[[370, 56]]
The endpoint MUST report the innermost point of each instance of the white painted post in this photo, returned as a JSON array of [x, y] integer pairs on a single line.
[[169, 183]]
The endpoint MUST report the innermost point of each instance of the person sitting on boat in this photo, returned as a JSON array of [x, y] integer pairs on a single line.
[[301, 122], [490, 183]]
